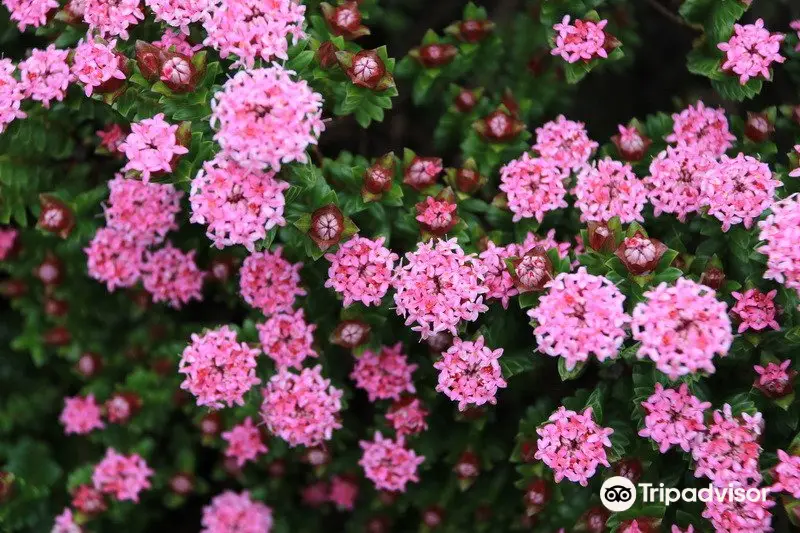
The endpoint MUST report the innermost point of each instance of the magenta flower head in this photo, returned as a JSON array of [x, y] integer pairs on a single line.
[[739, 517], [565, 142], [778, 231], [385, 374], [389, 464], [407, 416], [153, 147], [787, 474], [755, 310], [32, 13], [244, 442], [145, 211], [582, 41], [81, 415], [673, 185], [775, 380], [98, 66], [111, 19], [361, 270], [287, 339], [172, 276], [45, 75], [230, 512], [610, 189], [469, 373], [673, 417], [269, 282], [703, 128], [534, 186], [122, 476], [114, 258], [437, 216], [12, 93], [751, 51]]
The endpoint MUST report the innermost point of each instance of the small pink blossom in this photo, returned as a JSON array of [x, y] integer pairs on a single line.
[[88, 500], [112, 17], [674, 182], [730, 516], [180, 13], [361, 270], [45, 75], [781, 233], [534, 186], [751, 51], [32, 13], [8, 241], [112, 137], [673, 417], [407, 416], [172, 276], [469, 373], [81, 415], [775, 380], [287, 339], [176, 42], [95, 63], [389, 464], [114, 258], [609, 189], [728, 452], [787, 474], [702, 128], [756, 310], [11, 95], [269, 282], [244, 442], [344, 492], [497, 278], [437, 216], [582, 41], [385, 374], [152, 147], [565, 142], [65, 523], [122, 476], [144, 211], [230, 512]]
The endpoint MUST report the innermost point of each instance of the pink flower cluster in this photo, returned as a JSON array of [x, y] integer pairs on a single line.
[[238, 205], [565, 142], [681, 328], [230, 512], [8, 239], [582, 41], [11, 95], [497, 278], [343, 492], [287, 339], [534, 186], [384, 375], [176, 42], [152, 146], [112, 137], [756, 310], [180, 13], [65, 523], [781, 233], [361, 270], [112, 17], [609, 189], [264, 118], [302, 409], [674, 182], [674, 417], [739, 517], [45, 75], [439, 286], [121, 476], [751, 51], [436, 216], [250, 29], [702, 128], [30, 12], [796, 172], [728, 452], [114, 258], [143, 211], [218, 369], [244, 442], [573, 445], [269, 282], [469, 373], [787, 474], [389, 464], [95, 63], [774, 379], [407, 416], [172, 276], [81, 415]]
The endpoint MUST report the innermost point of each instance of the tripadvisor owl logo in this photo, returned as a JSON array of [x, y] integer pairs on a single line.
[[618, 494]]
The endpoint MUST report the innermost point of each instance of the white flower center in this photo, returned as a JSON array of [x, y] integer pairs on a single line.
[[352, 333], [365, 68], [327, 226], [53, 217], [177, 70], [498, 124], [639, 251]]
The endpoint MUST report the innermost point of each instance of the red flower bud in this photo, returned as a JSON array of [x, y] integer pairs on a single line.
[[121, 406], [537, 494], [50, 271], [55, 307], [89, 364], [6, 485], [182, 483], [57, 336], [277, 468], [434, 55], [210, 424], [439, 341], [344, 20], [433, 516], [221, 268], [13, 288], [510, 102], [350, 333], [601, 238], [537, 65], [527, 451], [326, 55], [378, 177], [468, 180], [473, 31], [149, 59], [499, 126], [317, 456], [758, 127], [632, 145], [466, 100], [640, 254], [88, 500], [178, 73], [327, 226], [594, 520], [378, 524], [776, 385], [532, 271], [365, 69], [388, 498], [712, 277], [55, 216], [468, 466], [422, 172], [629, 468]]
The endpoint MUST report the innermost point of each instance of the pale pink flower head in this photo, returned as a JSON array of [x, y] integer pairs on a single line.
[[681, 328], [302, 409], [361, 270], [29, 12], [172, 276], [573, 445], [152, 146], [269, 282], [384, 375], [114, 258], [96, 64], [407, 416], [388, 463], [755, 310], [469, 373], [218, 370], [8, 241], [534, 186], [287, 339], [65, 523], [497, 278], [176, 42], [565, 142], [343, 491], [179, 13], [244, 442], [250, 29], [673, 185], [11, 95], [112, 17], [582, 41], [781, 233], [230, 512], [609, 189], [122, 476], [438, 286], [264, 118], [775, 380], [673, 417], [81, 415], [45, 75], [112, 137], [144, 211], [751, 50], [238, 205], [729, 516], [738, 190], [702, 128], [787, 474], [580, 315]]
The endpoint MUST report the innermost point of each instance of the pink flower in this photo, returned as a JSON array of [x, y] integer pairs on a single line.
[[8, 241], [114, 258], [702, 128], [361, 270], [111, 137], [681, 328], [795, 25], [176, 42], [88, 500], [583, 40], [580, 315], [230, 512], [143, 211], [609, 189], [572, 444], [469, 373], [112, 17], [96, 64], [497, 278], [534, 186], [238, 205], [755, 309], [343, 491], [781, 233], [244, 442], [172, 276], [407, 416], [787, 474], [738, 190], [45, 75], [728, 452], [121, 476], [548, 242], [565, 142], [250, 29], [315, 494], [796, 172], [81, 415], [674, 417], [218, 369], [775, 380], [180, 13], [437, 216], [388, 463], [265, 118], [438, 287], [676, 529], [302, 409], [730, 516], [287, 339], [152, 146], [384, 375], [30, 12], [269, 282], [11, 95], [751, 51], [674, 182], [631, 143], [65, 523]]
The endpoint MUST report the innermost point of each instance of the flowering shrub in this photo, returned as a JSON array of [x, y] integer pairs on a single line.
[[259, 276]]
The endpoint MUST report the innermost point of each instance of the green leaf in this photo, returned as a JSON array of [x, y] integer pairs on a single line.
[[566, 374], [729, 87], [709, 66], [516, 363]]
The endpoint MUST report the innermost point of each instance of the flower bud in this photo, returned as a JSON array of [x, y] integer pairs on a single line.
[[537, 494], [57, 336], [149, 59], [468, 180], [775, 380], [631, 143], [601, 238], [13, 288], [277, 468], [365, 69], [758, 127], [210, 424], [422, 172], [221, 268], [88, 500], [350, 334], [468, 466], [532, 271], [182, 483], [55, 307], [439, 341], [640, 254], [434, 55], [433, 516], [344, 20], [89, 364], [121, 406], [179, 74], [629, 468], [499, 126], [317, 456], [473, 31], [55, 216], [527, 451], [6, 485], [50, 271], [327, 226], [326, 55], [712, 277], [594, 520], [438, 216], [316, 494], [378, 524], [378, 177], [466, 100]]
